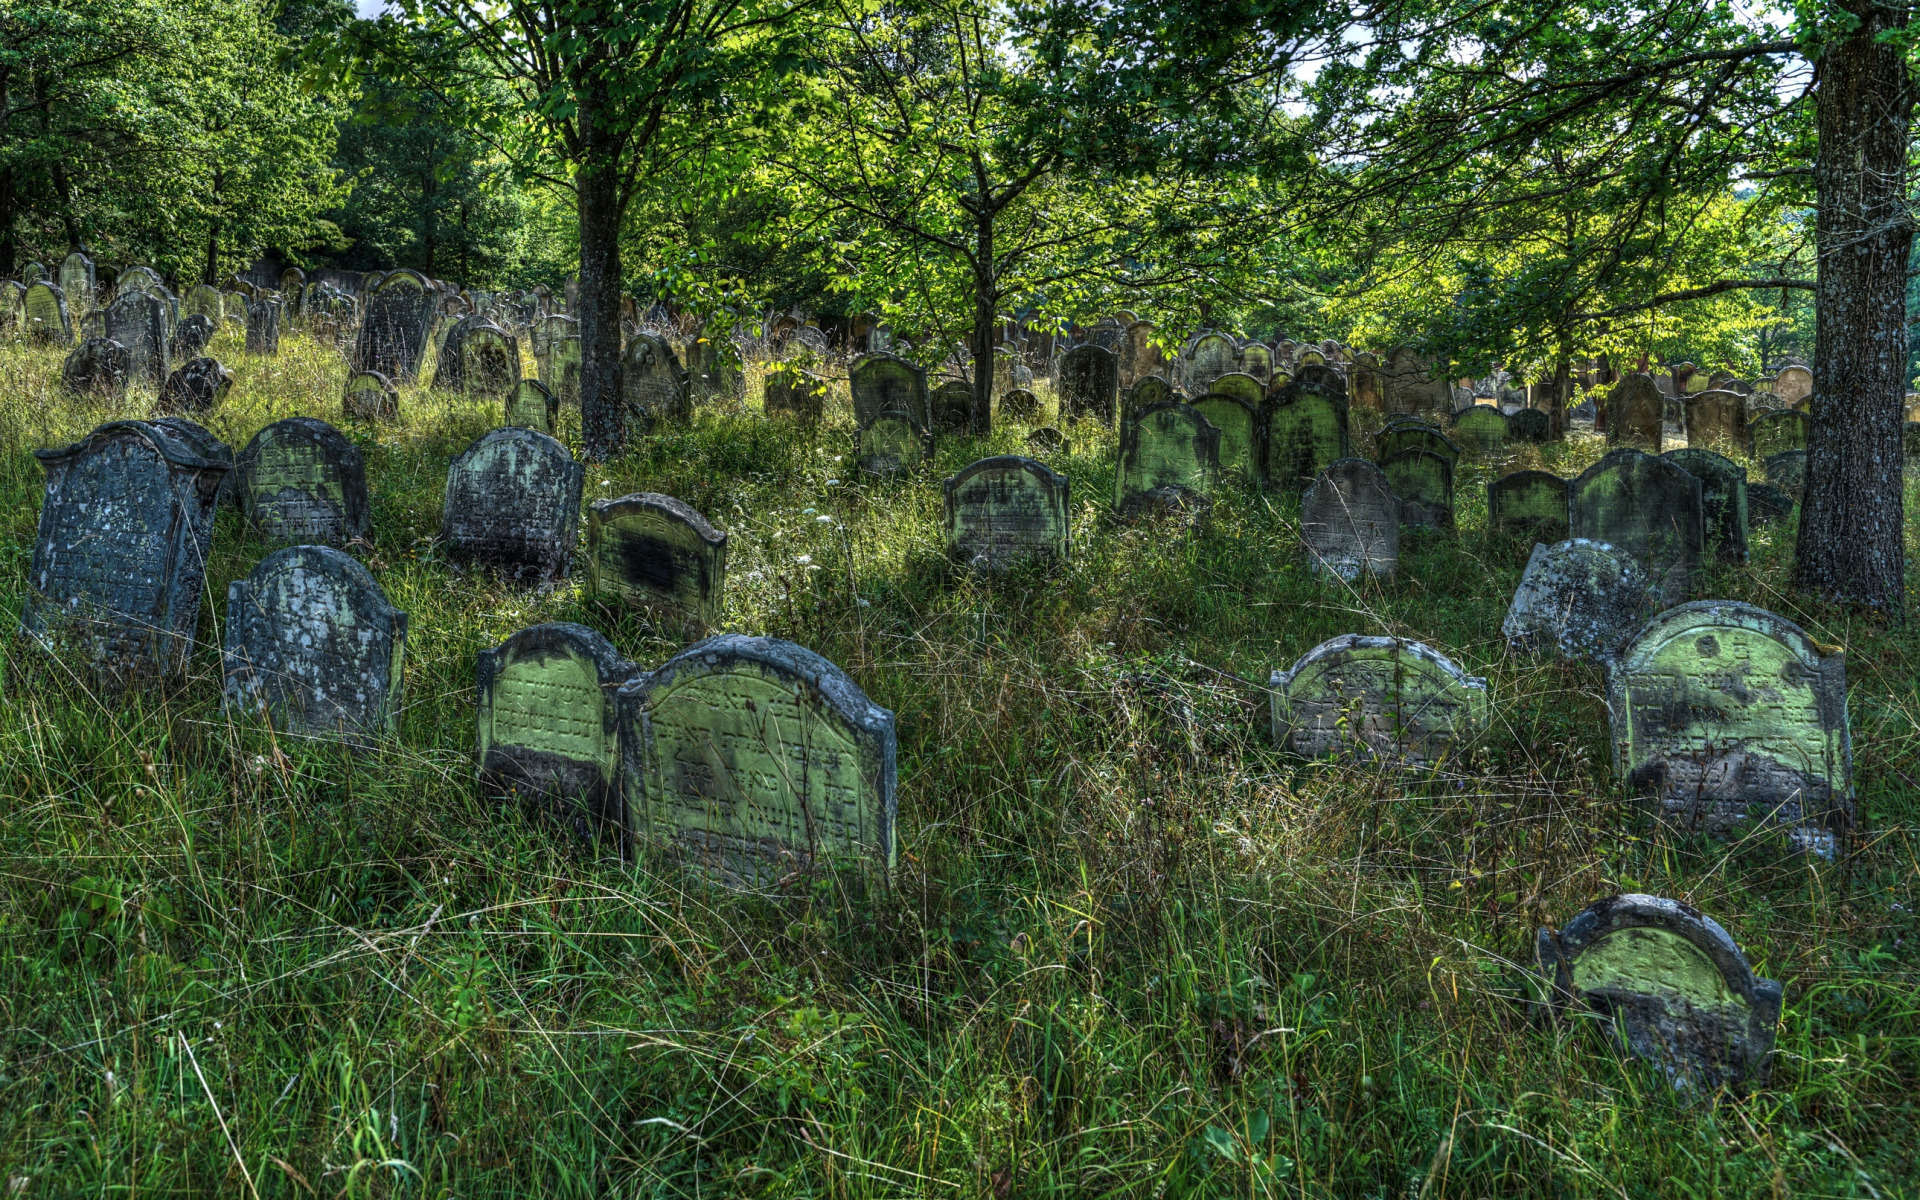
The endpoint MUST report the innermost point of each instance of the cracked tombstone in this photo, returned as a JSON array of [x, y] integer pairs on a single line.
[[196, 386], [513, 505], [884, 383], [1723, 495], [1239, 426], [753, 760], [96, 367], [1727, 715], [656, 552], [1670, 987], [119, 556], [1648, 507], [301, 480], [371, 397], [1481, 428], [1777, 432], [1787, 470], [1636, 413], [1350, 522], [314, 646], [1423, 481], [1533, 502], [1169, 457], [1356, 696], [531, 406], [1088, 383], [1304, 430], [1005, 509], [1579, 599], [401, 311], [1716, 420]]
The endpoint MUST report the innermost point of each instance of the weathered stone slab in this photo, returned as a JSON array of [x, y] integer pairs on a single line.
[[1146, 392], [753, 759], [1208, 357], [1365, 385], [1648, 507], [1002, 510], [1424, 483], [1350, 521], [1636, 413], [1019, 404], [371, 397], [1529, 425], [883, 383], [138, 321], [1239, 426], [119, 558], [795, 394], [1776, 432], [1787, 470], [952, 406], [47, 319], [1169, 446], [96, 367], [1305, 432], [1670, 986], [1412, 384], [652, 381], [203, 300], [1529, 502], [313, 645], [1241, 386], [1723, 492], [1320, 376], [301, 480], [190, 337], [656, 552], [513, 504], [196, 386], [1046, 440], [398, 327], [263, 327], [892, 444], [1717, 420], [1481, 428], [1414, 435], [1089, 383], [531, 406], [1139, 357], [547, 722], [1579, 599], [78, 282], [1793, 385], [480, 359], [1376, 697]]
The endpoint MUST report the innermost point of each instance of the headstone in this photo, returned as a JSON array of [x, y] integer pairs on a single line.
[[1320, 375], [1727, 714], [481, 359], [652, 381], [301, 480], [96, 367], [1716, 420], [1531, 502], [1777, 432], [78, 281], [138, 321], [1669, 985], [1356, 696], [1210, 356], [1723, 492], [754, 760], [1350, 521], [952, 405], [313, 645], [1089, 380], [1046, 440], [1767, 502], [547, 728], [190, 337], [1424, 483], [884, 383], [1241, 386], [1305, 431], [513, 505], [1257, 362], [371, 397], [46, 317], [196, 386], [34, 273], [1169, 446], [1002, 510], [1239, 426], [203, 300], [891, 444], [13, 305], [1648, 507], [1792, 385], [1146, 392], [263, 327], [794, 393], [1481, 428], [1020, 404], [1579, 599], [1788, 470], [1414, 435], [1139, 357], [1636, 413], [656, 552], [531, 406], [120, 555], [1529, 425], [398, 326]]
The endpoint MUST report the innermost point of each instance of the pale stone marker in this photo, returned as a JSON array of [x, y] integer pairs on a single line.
[[196, 386], [1648, 507], [1716, 420], [1350, 521], [513, 504], [1636, 413], [1670, 986], [891, 444], [1723, 493], [190, 337], [371, 397], [313, 645], [1775, 432], [96, 367], [301, 480], [1376, 697], [47, 319], [1004, 509], [1170, 448], [753, 760], [119, 558], [1088, 383], [263, 327], [1424, 483], [1139, 357], [531, 406], [78, 282], [1303, 432], [656, 552], [1579, 599], [1793, 385], [1788, 470], [884, 383], [203, 300], [952, 405], [1532, 502], [1726, 713], [652, 381], [1239, 426], [1481, 428], [399, 326]]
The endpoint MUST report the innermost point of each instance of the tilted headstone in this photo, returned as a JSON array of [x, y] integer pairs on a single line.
[[120, 555], [1089, 382], [753, 759], [513, 504], [1717, 420], [313, 645], [652, 381], [1356, 696], [46, 319], [78, 282], [1533, 502], [301, 480], [1208, 357], [952, 405], [190, 337], [1793, 385], [1529, 425], [1579, 599], [1019, 404], [263, 327], [1775, 432], [1636, 413], [547, 728], [1424, 483], [196, 386], [1787, 470], [883, 383], [96, 367], [1414, 435], [1725, 713], [1481, 428], [1004, 509], [1304, 431], [891, 444], [1146, 392], [1670, 986], [531, 406], [371, 397], [1648, 507], [1239, 426], [657, 552], [1350, 521], [1169, 446], [1723, 493], [398, 326]]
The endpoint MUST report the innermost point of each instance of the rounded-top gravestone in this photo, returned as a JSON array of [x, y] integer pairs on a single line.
[[302, 480], [1579, 599], [196, 386], [513, 504]]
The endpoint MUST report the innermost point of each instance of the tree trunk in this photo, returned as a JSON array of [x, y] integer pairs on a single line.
[[210, 274], [1852, 516], [986, 300], [602, 409], [8, 251]]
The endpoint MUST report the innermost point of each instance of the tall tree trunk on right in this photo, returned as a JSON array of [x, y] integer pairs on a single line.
[[1853, 516], [602, 408], [986, 303]]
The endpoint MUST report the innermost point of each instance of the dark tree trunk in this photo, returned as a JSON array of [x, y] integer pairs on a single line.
[[986, 300], [602, 410], [8, 246], [1852, 517], [210, 274]]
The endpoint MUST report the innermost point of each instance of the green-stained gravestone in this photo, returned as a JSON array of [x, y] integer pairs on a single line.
[[1412, 384], [1239, 426], [1532, 502], [531, 406], [1210, 356], [891, 444], [1046, 440], [1529, 425], [13, 305], [1256, 360], [652, 382], [1414, 435], [1241, 386], [1366, 383], [1089, 383], [513, 505], [1322, 377], [1304, 428], [263, 327], [97, 367], [313, 645], [1481, 428], [33, 273], [952, 406], [398, 327], [1579, 599], [1648, 507], [371, 397], [1376, 697], [1169, 446], [1723, 492], [1145, 393], [547, 727], [883, 383], [1728, 714], [1716, 421], [1636, 412], [652, 550], [1019, 404], [1424, 483], [1350, 521], [1002, 510], [1787, 470], [195, 387], [1777, 432], [555, 342], [794, 394], [46, 319], [754, 760], [78, 281], [301, 480], [1670, 986]]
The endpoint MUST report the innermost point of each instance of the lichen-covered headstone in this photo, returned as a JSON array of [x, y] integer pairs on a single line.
[[1412, 384], [1777, 432], [313, 644], [531, 406], [196, 386], [883, 383], [1788, 470], [1305, 431], [891, 444], [371, 397], [398, 326], [1793, 385], [1089, 383], [1529, 425], [1376, 697], [1146, 392], [1726, 713], [547, 722], [263, 327], [1208, 357], [1529, 502], [1414, 435], [1579, 599], [1350, 521], [478, 358], [652, 381], [301, 480], [1424, 482], [1004, 509], [1046, 440], [120, 555], [513, 504], [1256, 360], [1671, 987], [1716, 420], [138, 321], [657, 552], [1651, 508], [1636, 413], [952, 405], [78, 282], [190, 337], [1019, 404], [96, 367], [1239, 426], [1723, 492], [45, 317], [203, 300], [1241, 386], [1170, 445], [1481, 428], [753, 760]]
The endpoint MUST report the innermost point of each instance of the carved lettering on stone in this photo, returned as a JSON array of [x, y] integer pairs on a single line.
[[1004, 509], [657, 552], [1356, 696], [513, 504], [301, 480], [1579, 599], [1350, 521], [1651, 508]]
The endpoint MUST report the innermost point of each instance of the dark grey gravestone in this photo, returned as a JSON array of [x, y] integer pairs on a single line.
[[1767, 502], [1303, 432], [1579, 599], [1320, 375], [531, 406], [1787, 470], [1529, 502], [398, 326], [191, 336], [513, 504], [1529, 425], [1169, 451], [263, 327], [96, 367], [1648, 507], [1019, 404], [371, 397], [120, 555], [1776, 432], [1350, 521], [1046, 440], [206, 446], [891, 444], [1636, 411], [1002, 510], [138, 321], [1209, 356], [952, 405], [301, 480], [652, 381], [313, 645], [656, 552], [794, 394], [1424, 482], [1723, 490], [1670, 986], [1089, 383], [196, 386], [1407, 434], [547, 733], [883, 383]]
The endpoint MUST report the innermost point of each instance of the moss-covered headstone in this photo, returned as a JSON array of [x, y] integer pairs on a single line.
[[1787, 470], [1146, 392], [1481, 428], [1004, 509], [652, 381], [1356, 696], [1529, 425], [371, 397], [882, 383], [1241, 386], [1579, 599], [1088, 381], [203, 300], [1350, 521], [1776, 432], [1406, 434], [952, 405], [1636, 413], [1208, 357], [531, 406], [1169, 446], [78, 282], [657, 552], [44, 315], [301, 480], [513, 504], [891, 444], [1424, 482], [1304, 431], [1529, 502], [1239, 426], [1723, 491], [1651, 508], [1019, 404], [398, 327]]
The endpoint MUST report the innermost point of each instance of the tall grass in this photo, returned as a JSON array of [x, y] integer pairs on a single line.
[[1131, 948]]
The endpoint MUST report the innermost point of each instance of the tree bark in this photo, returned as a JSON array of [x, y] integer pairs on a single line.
[[986, 302], [1852, 517], [602, 407]]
